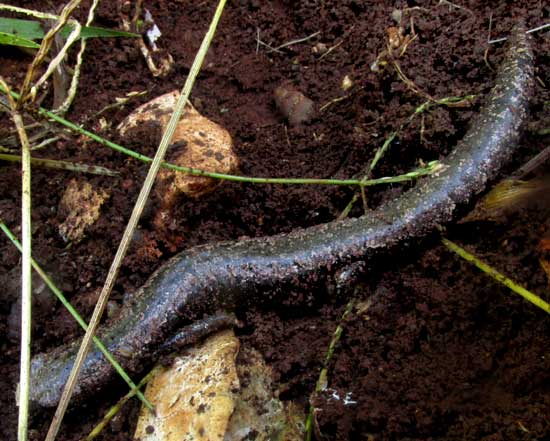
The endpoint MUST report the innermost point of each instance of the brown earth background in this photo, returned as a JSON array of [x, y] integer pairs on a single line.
[[443, 352]]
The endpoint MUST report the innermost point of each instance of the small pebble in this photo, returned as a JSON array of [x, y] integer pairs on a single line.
[[319, 48], [346, 83], [293, 105]]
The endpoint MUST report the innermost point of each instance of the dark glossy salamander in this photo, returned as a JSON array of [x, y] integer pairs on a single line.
[[224, 276]]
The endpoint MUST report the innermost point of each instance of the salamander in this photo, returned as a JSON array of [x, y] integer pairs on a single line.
[[230, 275]]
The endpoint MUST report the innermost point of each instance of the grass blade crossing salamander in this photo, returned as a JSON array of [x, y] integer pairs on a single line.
[[225, 276]]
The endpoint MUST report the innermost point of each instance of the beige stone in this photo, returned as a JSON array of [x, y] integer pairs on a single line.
[[198, 143], [258, 414], [81, 206], [194, 397]]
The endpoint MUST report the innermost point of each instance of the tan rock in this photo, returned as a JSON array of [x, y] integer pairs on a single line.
[[258, 414], [194, 397], [157, 110], [81, 206], [198, 143]]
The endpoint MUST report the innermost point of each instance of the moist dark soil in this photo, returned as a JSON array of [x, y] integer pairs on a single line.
[[433, 348]]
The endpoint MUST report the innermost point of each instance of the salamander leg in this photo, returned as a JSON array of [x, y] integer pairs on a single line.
[[197, 331]]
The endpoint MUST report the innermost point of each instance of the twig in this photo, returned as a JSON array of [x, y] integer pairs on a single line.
[[44, 49], [453, 5], [63, 165], [44, 143], [530, 31], [26, 276], [14, 140], [56, 62], [486, 53], [166, 62], [532, 164], [132, 223], [57, 292], [408, 82], [330, 49], [527, 295], [119, 102], [134, 22], [290, 43], [286, 136], [261, 43], [333, 101], [62, 109]]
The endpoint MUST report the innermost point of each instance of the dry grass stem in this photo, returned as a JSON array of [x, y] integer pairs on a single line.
[[71, 93], [132, 223], [32, 13], [530, 31], [454, 5], [26, 276], [58, 59], [62, 165], [47, 42], [297, 41]]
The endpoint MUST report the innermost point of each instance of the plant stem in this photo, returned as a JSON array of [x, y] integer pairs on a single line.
[[26, 279], [116, 408], [71, 93], [452, 101], [527, 295], [33, 13], [323, 375], [26, 282], [227, 177], [45, 48], [189, 170]]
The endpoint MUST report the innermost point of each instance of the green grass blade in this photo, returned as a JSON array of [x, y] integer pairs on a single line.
[[28, 29], [62, 165], [527, 295], [13, 40], [33, 30], [95, 32]]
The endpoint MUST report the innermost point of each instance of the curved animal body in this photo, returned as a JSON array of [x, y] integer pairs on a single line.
[[222, 276]]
